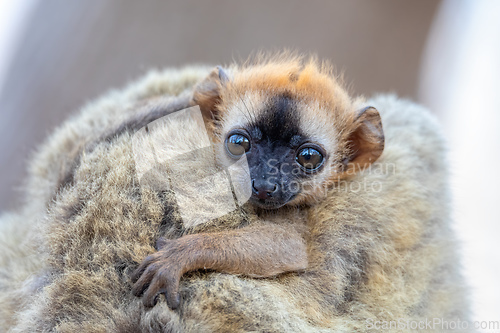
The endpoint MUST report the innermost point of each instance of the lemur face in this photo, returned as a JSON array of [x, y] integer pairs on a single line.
[[298, 129], [281, 156]]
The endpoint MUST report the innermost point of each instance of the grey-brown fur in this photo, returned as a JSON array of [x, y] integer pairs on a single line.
[[67, 254]]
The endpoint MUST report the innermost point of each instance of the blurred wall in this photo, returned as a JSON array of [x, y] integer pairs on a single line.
[[73, 51], [461, 79]]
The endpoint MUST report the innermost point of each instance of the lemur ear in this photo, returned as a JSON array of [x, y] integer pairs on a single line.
[[366, 142], [207, 93]]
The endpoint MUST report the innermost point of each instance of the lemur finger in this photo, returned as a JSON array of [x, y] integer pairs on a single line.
[[142, 267], [172, 293], [158, 285], [144, 281]]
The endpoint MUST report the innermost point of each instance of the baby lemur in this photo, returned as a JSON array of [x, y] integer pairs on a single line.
[[301, 135]]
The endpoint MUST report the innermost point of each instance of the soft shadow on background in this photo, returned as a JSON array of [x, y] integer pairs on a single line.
[[56, 55]]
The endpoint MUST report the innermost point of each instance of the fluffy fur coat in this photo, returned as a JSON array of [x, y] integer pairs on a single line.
[[66, 255]]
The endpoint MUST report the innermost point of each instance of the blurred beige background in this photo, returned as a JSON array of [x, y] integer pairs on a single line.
[[69, 52]]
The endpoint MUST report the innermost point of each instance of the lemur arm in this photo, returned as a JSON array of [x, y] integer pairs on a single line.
[[256, 251]]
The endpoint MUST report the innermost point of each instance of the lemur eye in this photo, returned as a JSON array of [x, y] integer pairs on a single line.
[[237, 144], [309, 158]]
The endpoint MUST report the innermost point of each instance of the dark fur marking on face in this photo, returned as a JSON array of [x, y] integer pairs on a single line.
[[278, 135], [256, 134], [296, 140], [279, 122]]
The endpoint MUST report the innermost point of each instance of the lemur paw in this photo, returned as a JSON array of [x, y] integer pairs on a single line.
[[159, 273]]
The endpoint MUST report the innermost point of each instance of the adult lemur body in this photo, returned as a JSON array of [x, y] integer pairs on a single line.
[[301, 134], [363, 239]]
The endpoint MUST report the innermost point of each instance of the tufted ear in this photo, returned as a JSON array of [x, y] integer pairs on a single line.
[[207, 93], [365, 143]]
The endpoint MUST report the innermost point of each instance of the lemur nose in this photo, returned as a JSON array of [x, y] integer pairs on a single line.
[[263, 188]]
